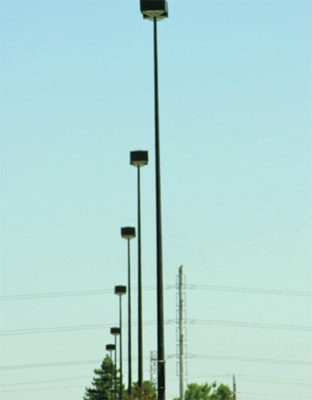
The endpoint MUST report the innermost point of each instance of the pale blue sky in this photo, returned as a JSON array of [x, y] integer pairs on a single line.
[[76, 92]]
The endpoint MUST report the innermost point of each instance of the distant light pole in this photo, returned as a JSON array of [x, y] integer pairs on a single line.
[[111, 348], [120, 291], [115, 332], [138, 159], [156, 10], [129, 233]]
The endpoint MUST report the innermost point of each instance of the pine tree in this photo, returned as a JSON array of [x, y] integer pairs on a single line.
[[103, 384]]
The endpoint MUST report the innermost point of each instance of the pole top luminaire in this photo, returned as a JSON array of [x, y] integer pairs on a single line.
[[154, 9], [139, 158], [115, 331], [120, 290], [110, 347], [128, 232]]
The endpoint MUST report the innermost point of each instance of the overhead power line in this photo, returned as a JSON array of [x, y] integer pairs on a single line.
[[239, 324], [253, 378], [276, 382], [169, 356], [249, 324], [47, 365], [76, 378], [91, 292], [73, 293], [71, 328], [276, 378], [41, 389], [275, 395], [249, 359], [279, 292]]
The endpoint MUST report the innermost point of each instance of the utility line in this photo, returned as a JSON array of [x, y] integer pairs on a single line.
[[90, 292], [55, 364], [273, 382], [249, 324], [168, 287], [298, 380], [249, 359], [58, 329], [46, 365], [169, 356], [41, 389], [249, 290], [275, 395], [256, 378], [45, 381], [239, 324]]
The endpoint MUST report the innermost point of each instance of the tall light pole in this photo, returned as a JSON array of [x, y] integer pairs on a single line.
[[120, 291], [129, 233], [138, 159], [111, 348], [156, 10], [115, 332]]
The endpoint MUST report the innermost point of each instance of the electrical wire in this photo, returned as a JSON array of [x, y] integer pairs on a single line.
[[273, 382], [41, 389], [249, 324], [47, 365], [91, 292], [250, 290], [275, 395], [45, 381], [298, 380], [169, 356], [71, 328], [249, 359]]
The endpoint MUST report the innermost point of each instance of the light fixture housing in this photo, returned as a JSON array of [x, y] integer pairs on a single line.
[[128, 232], [120, 290], [139, 158], [110, 347], [154, 9], [115, 331]]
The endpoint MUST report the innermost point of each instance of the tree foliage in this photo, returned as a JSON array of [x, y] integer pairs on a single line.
[[195, 391], [222, 392], [148, 392], [103, 384]]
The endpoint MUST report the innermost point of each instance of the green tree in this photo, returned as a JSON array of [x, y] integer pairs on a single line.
[[148, 392], [198, 392], [195, 391], [103, 384], [222, 392]]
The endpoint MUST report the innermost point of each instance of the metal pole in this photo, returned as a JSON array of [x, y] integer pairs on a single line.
[[111, 388], [160, 302], [234, 388], [181, 335], [115, 367], [140, 331], [129, 323], [120, 345]]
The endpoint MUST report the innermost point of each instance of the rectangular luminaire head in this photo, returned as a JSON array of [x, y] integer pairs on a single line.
[[154, 9], [120, 290], [139, 158], [128, 232], [110, 347], [115, 331]]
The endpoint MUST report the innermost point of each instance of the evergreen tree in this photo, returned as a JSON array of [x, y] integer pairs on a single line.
[[103, 384]]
